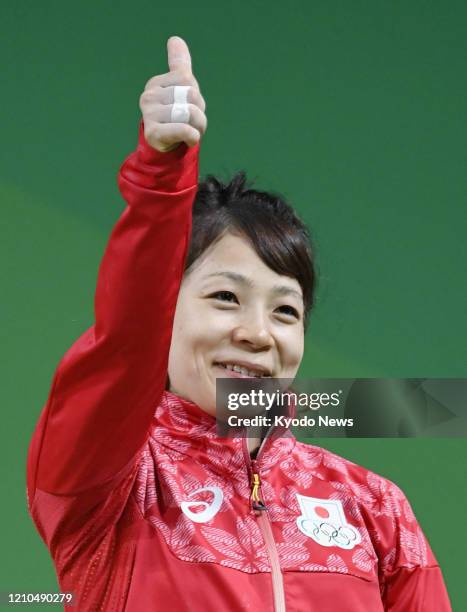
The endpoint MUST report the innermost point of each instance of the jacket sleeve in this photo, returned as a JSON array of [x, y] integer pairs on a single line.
[[410, 577], [107, 385]]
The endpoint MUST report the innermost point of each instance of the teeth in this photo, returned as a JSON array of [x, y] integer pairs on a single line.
[[241, 370]]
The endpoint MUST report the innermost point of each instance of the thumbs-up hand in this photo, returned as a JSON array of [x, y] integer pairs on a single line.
[[171, 104]]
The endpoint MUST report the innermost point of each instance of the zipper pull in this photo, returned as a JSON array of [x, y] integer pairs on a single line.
[[256, 501]]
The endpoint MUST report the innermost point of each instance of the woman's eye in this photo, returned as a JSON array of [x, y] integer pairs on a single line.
[[289, 310], [224, 296]]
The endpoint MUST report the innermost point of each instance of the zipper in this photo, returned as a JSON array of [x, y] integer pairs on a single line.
[[261, 512], [256, 502], [276, 572]]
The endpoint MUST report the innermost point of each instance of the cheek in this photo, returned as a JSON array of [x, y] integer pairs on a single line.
[[294, 343], [178, 332], [179, 346], [194, 332], [184, 325]]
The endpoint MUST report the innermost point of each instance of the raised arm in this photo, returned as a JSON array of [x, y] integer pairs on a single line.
[[107, 385]]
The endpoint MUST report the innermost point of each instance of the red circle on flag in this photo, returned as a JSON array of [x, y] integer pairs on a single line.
[[321, 512]]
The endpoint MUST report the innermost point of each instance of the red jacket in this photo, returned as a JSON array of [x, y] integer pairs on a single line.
[[144, 508]]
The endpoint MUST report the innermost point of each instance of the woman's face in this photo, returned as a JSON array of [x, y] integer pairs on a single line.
[[232, 309]]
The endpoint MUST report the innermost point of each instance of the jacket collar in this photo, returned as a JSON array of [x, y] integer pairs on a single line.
[[183, 427]]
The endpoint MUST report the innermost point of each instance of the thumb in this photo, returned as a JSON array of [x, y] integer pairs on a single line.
[[178, 54]]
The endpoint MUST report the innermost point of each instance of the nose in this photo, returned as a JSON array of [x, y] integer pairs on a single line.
[[254, 331]]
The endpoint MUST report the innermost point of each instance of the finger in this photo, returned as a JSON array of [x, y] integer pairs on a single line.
[[166, 95], [178, 54], [193, 95], [169, 79], [171, 133], [162, 113]]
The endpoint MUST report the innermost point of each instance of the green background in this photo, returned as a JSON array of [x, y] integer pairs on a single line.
[[355, 111]]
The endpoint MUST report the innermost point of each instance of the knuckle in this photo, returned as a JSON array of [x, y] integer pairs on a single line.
[[202, 124], [143, 98], [185, 76], [202, 120], [155, 80], [192, 97], [147, 97], [198, 99], [188, 133]]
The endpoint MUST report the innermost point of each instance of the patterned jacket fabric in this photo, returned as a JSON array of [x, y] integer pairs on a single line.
[[144, 508]]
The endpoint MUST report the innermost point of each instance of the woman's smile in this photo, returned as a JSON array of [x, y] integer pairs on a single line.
[[242, 369]]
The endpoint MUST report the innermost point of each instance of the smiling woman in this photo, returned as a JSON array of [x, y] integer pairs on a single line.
[[142, 505]]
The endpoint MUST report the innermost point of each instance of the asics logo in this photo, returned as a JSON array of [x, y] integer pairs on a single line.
[[210, 510]]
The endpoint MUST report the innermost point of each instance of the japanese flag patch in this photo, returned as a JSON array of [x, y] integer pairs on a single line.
[[324, 521]]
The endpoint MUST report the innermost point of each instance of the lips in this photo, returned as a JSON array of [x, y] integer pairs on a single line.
[[243, 369]]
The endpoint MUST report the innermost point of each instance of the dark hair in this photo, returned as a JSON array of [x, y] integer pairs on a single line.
[[276, 233]]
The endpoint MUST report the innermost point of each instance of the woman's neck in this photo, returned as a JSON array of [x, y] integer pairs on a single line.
[[253, 445]]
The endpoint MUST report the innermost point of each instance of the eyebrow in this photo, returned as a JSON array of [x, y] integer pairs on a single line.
[[247, 282]]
